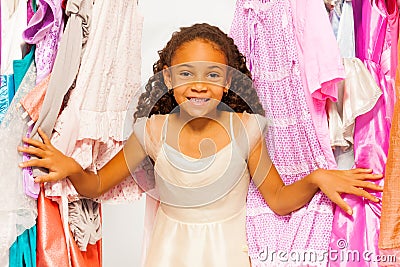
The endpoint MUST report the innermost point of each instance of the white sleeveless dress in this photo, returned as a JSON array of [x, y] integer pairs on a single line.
[[201, 218]]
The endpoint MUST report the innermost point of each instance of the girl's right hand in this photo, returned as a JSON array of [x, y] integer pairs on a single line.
[[59, 165]]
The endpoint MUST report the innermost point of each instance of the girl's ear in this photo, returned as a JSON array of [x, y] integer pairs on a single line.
[[167, 77], [228, 81]]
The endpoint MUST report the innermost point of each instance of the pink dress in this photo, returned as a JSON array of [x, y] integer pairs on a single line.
[[371, 134], [264, 33], [320, 65]]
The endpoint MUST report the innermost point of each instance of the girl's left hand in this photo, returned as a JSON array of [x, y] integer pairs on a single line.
[[335, 182]]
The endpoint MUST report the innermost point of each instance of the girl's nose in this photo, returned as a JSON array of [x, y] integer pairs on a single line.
[[199, 86]]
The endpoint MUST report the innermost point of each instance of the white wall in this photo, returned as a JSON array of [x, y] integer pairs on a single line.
[[123, 224]]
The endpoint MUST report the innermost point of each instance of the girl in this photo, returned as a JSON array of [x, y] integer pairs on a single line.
[[196, 124]]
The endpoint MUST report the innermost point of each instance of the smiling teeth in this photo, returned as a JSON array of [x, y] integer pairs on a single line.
[[198, 100]]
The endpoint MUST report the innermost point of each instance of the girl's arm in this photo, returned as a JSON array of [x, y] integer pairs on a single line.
[[85, 182], [284, 199]]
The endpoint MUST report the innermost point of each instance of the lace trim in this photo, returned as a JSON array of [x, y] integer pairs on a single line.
[[258, 211], [288, 121], [258, 6], [100, 126]]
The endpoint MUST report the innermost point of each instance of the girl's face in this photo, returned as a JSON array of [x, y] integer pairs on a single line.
[[199, 77]]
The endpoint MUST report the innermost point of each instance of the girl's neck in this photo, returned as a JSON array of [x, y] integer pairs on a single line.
[[199, 124]]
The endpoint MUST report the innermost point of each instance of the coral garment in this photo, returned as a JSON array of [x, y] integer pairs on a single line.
[[264, 33], [51, 242], [389, 237]]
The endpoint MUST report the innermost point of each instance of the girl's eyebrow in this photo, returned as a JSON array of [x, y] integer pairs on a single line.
[[193, 66], [185, 66]]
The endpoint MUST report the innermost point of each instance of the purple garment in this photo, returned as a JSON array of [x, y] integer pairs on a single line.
[[264, 33], [360, 232], [31, 188], [30, 10], [45, 30]]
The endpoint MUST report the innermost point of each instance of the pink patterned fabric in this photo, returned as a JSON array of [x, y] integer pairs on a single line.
[[45, 30], [264, 33], [371, 134]]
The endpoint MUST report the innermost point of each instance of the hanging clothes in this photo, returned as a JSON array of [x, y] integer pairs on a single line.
[[23, 251], [103, 121], [358, 94], [14, 17], [45, 30], [6, 93], [389, 236], [264, 33], [321, 67], [371, 132], [18, 211], [52, 242]]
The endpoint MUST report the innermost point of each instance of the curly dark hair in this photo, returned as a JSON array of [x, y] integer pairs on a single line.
[[157, 100]]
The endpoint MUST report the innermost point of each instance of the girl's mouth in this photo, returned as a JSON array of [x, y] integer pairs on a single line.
[[198, 101]]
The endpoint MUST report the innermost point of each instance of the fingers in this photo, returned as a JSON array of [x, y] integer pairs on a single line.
[[46, 178], [33, 163], [364, 174], [360, 170], [33, 142], [338, 200], [372, 176], [369, 185], [362, 193], [32, 150], [44, 137]]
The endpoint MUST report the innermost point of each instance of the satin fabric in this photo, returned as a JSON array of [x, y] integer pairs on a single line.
[[358, 95], [23, 251], [51, 242], [360, 232]]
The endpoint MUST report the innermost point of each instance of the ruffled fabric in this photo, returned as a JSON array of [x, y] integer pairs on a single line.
[[359, 95], [33, 101], [104, 122], [93, 155], [85, 222]]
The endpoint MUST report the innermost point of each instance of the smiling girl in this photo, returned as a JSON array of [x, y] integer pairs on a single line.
[[201, 124]]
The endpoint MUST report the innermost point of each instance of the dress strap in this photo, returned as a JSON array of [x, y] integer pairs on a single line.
[[231, 124], [164, 129]]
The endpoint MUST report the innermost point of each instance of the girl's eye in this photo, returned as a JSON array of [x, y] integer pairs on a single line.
[[214, 75], [185, 74]]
